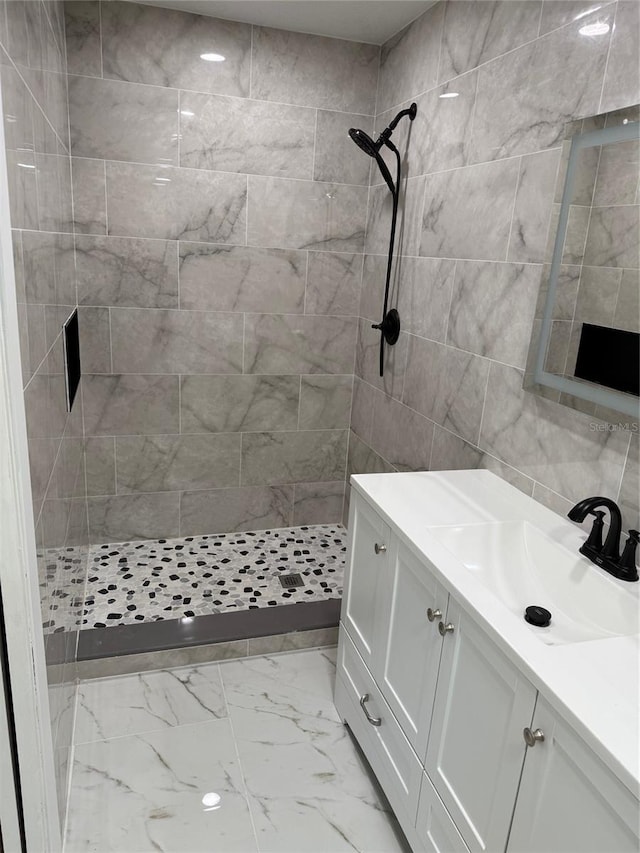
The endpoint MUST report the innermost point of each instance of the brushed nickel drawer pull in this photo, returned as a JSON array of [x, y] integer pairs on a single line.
[[375, 721]]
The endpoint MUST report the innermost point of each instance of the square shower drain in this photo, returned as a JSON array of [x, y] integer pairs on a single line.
[[292, 580]]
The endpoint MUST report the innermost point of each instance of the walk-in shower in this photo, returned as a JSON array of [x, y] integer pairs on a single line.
[[390, 323]]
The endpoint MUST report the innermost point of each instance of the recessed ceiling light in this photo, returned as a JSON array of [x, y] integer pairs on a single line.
[[450, 95], [212, 57], [598, 29]]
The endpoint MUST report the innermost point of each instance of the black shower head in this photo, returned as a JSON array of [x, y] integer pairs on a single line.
[[365, 142]]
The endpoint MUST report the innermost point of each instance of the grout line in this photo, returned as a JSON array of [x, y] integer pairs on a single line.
[[513, 209], [315, 146], [606, 64], [484, 404], [110, 340], [246, 220], [188, 91], [102, 77], [238, 175], [115, 465], [251, 60]]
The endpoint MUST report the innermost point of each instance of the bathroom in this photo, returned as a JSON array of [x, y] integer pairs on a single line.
[[182, 174]]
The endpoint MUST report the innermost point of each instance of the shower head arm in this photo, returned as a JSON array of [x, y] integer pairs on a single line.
[[411, 112]]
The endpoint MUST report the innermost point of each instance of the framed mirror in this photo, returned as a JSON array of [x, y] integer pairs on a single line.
[[585, 344]]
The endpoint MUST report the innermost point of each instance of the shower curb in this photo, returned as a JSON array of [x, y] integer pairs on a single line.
[[220, 636]]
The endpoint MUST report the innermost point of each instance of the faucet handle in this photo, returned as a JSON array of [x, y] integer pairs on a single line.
[[595, 537], [628, 558]]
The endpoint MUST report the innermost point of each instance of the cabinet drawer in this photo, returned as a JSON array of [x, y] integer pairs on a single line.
[[436, 830], [385, 746]]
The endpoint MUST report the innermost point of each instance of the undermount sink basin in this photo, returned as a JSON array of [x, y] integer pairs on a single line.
[[522, 566]]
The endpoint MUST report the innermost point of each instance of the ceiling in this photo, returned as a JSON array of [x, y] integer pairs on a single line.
[[372, 21]]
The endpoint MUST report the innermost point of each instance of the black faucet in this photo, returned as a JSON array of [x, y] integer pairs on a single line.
[[607, 556]]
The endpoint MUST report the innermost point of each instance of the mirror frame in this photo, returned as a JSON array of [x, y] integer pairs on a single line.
[[537, 379]]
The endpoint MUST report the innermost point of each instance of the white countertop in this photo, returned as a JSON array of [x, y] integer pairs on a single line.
[[594, 684]]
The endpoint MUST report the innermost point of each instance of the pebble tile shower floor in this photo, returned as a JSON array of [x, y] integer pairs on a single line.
[[152, 580]]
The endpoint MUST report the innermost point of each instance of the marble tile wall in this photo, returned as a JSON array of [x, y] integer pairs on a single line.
[[36, 128], [219, 219], [477, 203]]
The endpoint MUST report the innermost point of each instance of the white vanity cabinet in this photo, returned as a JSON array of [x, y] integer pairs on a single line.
[[569, 801], [440, 712]]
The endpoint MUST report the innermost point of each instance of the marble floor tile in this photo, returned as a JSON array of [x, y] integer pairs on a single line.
[[290, 778], [147, 702], [145, 792], [307, 787]]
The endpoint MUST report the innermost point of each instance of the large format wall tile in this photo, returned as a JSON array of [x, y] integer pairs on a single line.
[[336, 156], [532, 210], [82, 25], [270, 458], [630, 486], [318, 503], [612, 239], [239, 403], [424, 296], [89, 196], [162, 201], [473, 34], [557, 77], [467, 212], [130, 517], [239, 278], [240, 135], [492, 309], [123, 121], [408, 232], [400, 435], [550, 443], [622, 79], [147, 45], [286, 343], [409, 60], [227, 510], [306, 215], [333, 283], [451, 392], [440, 134], [315, 71], [130, 404], [148, 340], [368, 360], [122, 271], [449, 452], [325, 402], [100, 455], [164, 463]]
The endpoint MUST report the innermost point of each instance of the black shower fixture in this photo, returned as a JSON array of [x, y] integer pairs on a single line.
[[390, 325]]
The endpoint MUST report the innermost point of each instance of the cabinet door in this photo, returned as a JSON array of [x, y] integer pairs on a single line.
[[434, 826], [407, 657], [476, 748], [369, 542], [569, 801]]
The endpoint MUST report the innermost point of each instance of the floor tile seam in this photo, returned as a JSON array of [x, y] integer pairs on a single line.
[[154, 731], [229, 707]]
